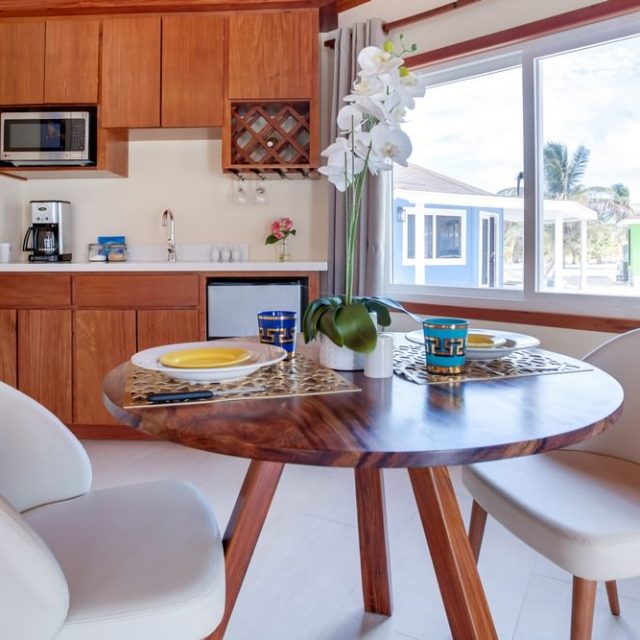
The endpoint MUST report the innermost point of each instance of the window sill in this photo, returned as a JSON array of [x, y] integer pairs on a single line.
[[540, 318]]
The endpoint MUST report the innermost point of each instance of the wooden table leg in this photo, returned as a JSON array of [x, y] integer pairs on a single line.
[[372, 531], [245, 524], [460, 587]]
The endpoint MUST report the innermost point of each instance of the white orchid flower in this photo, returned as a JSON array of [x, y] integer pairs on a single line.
[[342, 164], [392, 143], [349, 118], [410, 86], [369, 86], [372, 106], [362, 144], [374, 61]]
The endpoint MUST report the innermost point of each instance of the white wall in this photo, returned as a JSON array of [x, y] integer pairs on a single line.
[[11, 207], [481, 18], [185, 176]]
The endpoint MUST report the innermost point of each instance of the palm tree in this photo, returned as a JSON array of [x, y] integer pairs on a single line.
[[562, 176]]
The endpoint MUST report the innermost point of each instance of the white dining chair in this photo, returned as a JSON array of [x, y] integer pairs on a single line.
[[580, 506], [130, 562]]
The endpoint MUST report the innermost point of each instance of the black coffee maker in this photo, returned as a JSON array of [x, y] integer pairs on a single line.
[[49, 236]]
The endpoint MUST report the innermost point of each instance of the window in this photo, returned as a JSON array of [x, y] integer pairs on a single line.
[[524, 181]]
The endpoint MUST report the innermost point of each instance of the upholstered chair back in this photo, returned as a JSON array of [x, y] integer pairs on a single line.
[[620, 357], [41, 461]]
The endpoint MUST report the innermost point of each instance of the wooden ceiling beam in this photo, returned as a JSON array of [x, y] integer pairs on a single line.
[[33, 8]]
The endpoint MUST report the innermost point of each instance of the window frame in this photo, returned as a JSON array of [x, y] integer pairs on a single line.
[[529, 298]]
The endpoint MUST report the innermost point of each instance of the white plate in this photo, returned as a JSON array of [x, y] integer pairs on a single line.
[[262, 355], [512, 342]]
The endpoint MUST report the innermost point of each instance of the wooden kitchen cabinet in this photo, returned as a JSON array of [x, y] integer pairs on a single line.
[[167, 326], [131, 72], [192, 70], [21, 62], [121, 313], [44, 358], [271, 120], [104, 338], [9, 347], [71, 60], [272, 55], [49, 62], [163, 71]]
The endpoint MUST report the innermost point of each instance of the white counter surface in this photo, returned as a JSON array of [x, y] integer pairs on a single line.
[[140, 266]]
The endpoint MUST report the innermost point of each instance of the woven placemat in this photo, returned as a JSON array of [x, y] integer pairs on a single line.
[[300, 376], [409, 362]]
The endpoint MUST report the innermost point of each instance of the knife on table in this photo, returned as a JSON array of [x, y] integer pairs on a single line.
[[205, 394]]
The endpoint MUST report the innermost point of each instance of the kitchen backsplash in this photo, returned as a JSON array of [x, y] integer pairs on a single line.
[[186, 177]]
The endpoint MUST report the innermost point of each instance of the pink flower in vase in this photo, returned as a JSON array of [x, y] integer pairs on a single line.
[[281, 229]]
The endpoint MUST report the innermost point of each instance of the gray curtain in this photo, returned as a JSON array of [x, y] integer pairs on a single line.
[[369, 261]]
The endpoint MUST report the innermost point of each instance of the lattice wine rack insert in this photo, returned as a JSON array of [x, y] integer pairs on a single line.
[[272, 134]]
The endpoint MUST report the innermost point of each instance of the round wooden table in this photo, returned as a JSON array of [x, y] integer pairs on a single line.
[[390, 423]]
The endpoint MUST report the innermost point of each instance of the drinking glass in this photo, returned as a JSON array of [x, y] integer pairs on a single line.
[[445, 344], [279, 329]]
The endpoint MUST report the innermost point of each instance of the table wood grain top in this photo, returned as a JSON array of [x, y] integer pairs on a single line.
[[391, 422]]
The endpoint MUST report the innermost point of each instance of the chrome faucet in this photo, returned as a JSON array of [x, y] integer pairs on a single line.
[[167, 218]]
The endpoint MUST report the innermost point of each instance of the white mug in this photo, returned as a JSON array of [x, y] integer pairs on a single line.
[[5, 251], [379, 363]]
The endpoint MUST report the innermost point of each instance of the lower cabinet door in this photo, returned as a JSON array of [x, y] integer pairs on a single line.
[[9, 346], [166, 326], [103, 340], [44, 358]]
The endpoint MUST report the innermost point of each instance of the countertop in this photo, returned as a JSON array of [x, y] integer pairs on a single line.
[[144, 265]]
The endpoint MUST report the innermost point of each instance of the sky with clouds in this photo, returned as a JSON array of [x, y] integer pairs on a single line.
[[472, 130]]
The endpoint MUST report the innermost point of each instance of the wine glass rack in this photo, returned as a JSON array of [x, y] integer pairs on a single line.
[[270, 135]]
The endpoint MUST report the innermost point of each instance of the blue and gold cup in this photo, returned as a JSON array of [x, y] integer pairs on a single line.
[[445, 344], [279, 329]]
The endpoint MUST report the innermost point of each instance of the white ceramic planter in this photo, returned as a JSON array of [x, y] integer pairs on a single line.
[[339, 358]]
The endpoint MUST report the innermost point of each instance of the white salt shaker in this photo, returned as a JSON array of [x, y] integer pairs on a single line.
[[379, 363]]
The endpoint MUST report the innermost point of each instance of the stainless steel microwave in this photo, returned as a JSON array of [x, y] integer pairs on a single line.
[[45, 138]]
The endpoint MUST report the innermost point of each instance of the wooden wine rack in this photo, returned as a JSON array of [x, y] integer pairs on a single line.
[[270, 135]]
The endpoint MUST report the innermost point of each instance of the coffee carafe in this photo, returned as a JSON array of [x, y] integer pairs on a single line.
[[48, 239]]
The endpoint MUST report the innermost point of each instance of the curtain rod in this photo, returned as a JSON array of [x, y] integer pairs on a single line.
[[426, 15], [418, 17]]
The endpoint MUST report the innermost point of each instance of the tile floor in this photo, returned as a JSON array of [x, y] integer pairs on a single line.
[[303, 583]]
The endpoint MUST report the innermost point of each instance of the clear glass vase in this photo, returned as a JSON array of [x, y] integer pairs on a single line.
[[283, 250]]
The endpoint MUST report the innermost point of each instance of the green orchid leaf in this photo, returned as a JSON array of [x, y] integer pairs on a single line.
[[327, 325], [311, 317], [392, 304], [356, 327], [384, 317]]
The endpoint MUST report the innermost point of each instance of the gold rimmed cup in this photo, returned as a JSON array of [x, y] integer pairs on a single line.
[[445, 343], [279, 328]]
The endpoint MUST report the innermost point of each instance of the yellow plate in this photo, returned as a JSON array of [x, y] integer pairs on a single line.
[[484, 340], [206, 358]]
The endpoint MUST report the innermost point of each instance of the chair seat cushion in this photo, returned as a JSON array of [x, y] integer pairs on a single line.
[[141, 561], [579, 509]]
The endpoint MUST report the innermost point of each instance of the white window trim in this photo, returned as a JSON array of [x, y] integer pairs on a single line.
[[527, 299]]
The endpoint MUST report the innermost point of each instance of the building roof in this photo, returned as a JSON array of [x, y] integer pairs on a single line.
[[415, 178]]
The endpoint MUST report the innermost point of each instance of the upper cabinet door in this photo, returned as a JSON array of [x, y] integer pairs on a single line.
[[192, 70], [71, 61], [272, 55], [21, 62], [131, 72]]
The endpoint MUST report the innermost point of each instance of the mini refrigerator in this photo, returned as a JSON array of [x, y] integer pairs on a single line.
[[233, 304]]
